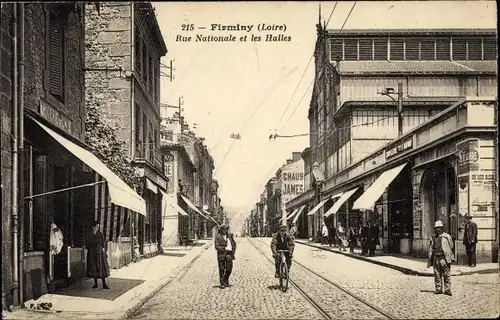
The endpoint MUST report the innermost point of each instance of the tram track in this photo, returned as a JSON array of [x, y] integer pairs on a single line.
[[318, 305]]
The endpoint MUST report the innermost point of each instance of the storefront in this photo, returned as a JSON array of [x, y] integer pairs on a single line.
[[440, 170], [68, 187]]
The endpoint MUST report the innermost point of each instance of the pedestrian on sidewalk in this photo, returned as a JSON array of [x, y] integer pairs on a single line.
[[324, 233], [441, 257], [373, 240], [293, 230], [353, 239], [226, 249], [363, 233], [331, 234], [341, 236], [470, 240], [97, 262]]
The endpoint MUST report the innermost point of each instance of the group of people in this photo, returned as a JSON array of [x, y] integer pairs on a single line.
[[368, 235]]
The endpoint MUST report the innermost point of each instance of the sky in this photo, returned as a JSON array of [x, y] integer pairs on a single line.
[[248, 87]]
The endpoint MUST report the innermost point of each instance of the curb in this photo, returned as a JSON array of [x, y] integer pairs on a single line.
[[132, 310], [404, 270]]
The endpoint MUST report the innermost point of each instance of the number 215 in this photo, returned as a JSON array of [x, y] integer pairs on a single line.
[[187, 27]]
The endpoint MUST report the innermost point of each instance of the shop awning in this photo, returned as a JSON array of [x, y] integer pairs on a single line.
[[168, 200], [286, 217], [317, 207], [209, 215], [343, 198], [373, 193], [298, 214], [151, 186], [119, 192], [192, 206]]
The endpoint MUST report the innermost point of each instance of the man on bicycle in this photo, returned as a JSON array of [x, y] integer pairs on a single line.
[[282, 240]]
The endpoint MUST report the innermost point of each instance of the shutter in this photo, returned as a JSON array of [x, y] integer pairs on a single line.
[[365, 49], [351, 49], [336, 47], [474, 49], [397, 49], [489, 48], [443, 49], [380, 46], [412, 49], [427, 49], [459, 49], [56, 57]]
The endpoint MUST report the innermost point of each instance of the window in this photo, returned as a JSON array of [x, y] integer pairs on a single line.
[[365, 49], [412, 49], [489, 48], [459, 49], [138, 52], [56, 65], [151, 75], [474, 49], [145, 69], [350, 49], [427, 49], [443, 49], [169, 135], [144, 135], [380, 49], [397, 49], [151, 143], [138, 140], [337, 49]]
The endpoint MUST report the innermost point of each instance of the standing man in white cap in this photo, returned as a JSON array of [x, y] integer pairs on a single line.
[[441, 256]]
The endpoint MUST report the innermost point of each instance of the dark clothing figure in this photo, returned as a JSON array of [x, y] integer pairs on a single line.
[[373, 241], [363, 233], [470, 240], [97, 262], [353, 239], [331, 235], [226, 249], [282, 242]]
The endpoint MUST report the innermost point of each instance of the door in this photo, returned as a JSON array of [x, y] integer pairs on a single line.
[[62, 218]]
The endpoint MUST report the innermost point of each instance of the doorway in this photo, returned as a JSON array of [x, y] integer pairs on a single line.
[[439, 201]]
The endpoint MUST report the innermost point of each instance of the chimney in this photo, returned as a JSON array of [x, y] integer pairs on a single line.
[[296, 156], [288, 161]]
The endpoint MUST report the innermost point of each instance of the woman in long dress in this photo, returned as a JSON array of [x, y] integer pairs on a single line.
[[97, 263]]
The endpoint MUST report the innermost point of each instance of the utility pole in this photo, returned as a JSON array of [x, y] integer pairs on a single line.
[[389, 92], [181, 120], [400, 109], [170, 74]]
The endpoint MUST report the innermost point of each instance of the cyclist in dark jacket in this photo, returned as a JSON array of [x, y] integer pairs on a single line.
[[282, 240]]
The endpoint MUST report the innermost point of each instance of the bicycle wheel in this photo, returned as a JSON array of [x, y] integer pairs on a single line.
[[284, 277]]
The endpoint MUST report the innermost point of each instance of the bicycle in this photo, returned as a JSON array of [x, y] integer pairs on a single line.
[[283, 270]]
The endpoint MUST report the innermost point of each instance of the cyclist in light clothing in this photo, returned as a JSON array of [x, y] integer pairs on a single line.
[[282, 240]]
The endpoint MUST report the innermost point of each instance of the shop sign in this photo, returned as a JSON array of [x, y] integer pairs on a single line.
[[463, 195], [468, 156], [481, 195], [55, 116], [408, 144]]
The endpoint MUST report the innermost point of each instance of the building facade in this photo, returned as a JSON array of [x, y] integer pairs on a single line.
[[447, 78], [123, 49]]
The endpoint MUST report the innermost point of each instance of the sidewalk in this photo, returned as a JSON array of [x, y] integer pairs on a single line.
[[131, 286], [406, 265]]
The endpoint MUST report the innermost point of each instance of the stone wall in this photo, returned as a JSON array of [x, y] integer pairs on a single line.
[[108, 48], [35, 66], [6, 145]]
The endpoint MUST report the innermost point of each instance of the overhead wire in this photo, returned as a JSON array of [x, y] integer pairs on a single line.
[[342, 28], [303, 74]]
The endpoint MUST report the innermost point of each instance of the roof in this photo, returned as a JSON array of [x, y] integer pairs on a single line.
[[420, 32], [417, 67]]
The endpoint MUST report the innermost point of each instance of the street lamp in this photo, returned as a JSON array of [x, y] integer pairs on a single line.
[[389, 92]]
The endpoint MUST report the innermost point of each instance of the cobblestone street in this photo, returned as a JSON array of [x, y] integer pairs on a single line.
[[403, 296], [253, 294]]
